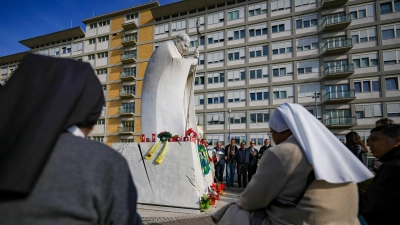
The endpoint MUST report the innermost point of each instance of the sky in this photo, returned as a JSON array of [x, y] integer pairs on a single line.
[[24, 19]]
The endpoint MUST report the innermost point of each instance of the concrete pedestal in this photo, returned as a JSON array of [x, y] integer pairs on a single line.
[[178, 181]]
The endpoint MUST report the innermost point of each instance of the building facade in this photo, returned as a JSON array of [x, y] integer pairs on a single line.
[[254, 55]]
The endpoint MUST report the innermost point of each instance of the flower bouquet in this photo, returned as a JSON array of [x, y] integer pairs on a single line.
[[205, 202], [164, 136], [191, 134]]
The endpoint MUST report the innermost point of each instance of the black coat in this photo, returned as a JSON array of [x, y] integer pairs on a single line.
[[380, 203], [264, 148], [359, 152]]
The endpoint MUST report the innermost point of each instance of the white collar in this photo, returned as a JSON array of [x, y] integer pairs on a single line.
[[76, 131]]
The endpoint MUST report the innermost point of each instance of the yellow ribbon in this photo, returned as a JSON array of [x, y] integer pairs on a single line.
[[161, 156], [150, 153]]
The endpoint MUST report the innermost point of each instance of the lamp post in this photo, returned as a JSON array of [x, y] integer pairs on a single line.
[[229, 123], [315, 96]]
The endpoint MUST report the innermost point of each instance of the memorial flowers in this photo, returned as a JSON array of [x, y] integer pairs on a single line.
[[163, 139]]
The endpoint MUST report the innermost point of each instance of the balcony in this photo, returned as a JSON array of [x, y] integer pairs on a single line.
[[340, 97], [332, 3], [127, 93], [126, 111], [126, 130], [336, 23], [130, 25], [127, 76], [337, 47], [343, 122], [128, 58], [129, 40], [339, 71]]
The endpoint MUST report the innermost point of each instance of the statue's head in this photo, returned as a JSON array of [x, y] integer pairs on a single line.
[[182, 43]]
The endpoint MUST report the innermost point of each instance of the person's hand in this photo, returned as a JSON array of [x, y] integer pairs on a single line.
[[196, 53], [226, 157], [232, 152]]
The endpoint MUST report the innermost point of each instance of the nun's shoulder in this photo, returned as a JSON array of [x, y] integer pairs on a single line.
[[288, 147]]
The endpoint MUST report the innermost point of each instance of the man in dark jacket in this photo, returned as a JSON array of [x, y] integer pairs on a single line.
[[266, 146], [379, 204], [242, 160], [230, 159], [253, 159]]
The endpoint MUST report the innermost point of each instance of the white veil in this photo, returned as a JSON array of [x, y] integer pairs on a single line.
[[331, 159]]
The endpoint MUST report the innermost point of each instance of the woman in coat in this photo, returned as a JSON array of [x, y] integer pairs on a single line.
[[357, 147], [307, 178]]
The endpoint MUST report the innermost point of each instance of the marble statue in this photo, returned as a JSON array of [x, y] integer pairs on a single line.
[[167, 94]]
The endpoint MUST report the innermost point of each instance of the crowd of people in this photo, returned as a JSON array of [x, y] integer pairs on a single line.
[[51, 174]]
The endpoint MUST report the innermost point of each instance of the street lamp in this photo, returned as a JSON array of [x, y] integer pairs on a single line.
[[315, 96], [229, 124]]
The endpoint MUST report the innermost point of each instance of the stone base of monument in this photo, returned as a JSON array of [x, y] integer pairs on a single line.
[[177, 182]]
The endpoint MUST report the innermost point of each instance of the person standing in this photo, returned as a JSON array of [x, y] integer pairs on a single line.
[[212, 158], [357, 147], [242, 160], [265, 147], [253, 160], [230, 159], [220, 164], [380, 122]]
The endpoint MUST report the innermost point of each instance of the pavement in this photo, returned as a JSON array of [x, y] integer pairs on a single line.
[[173, 216]]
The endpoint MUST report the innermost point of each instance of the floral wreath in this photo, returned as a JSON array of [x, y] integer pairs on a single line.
[[191, 133]]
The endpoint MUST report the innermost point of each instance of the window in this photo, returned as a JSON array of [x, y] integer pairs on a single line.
[[102, 39], [236, 75], [216, 37], [238, 118], [212, 140], [215, 118], [162, 29], [282, 48], [365, 35], [128, 124], [100, 122], [283, 92], [259, 138], [104, 87], [4, 71], [216, 18], [258, 51], [66, 49], [261, 94], [307, 44], [102, 55], [390, 7], [358, 12], [258, 30], [101, 71], [392, 31], [258, 73], [93, 25], [307, 90], [201, 59], [128, 89], [305, 67], [365, 60], [337, 91], [282, 70], [258, 9], [368, 111], [392, 83], [336, 66], [236, 34], [132, 16], [178, 25], [338, 114], [393, 109], [280, 5], [199, 99], [92, 41], [192, 22], [91, 57], [237, 96], [215, 98], [194, 41], [259, 116], [77, 46], [239, 138], [312, 111], [333, 18], [299, 3], [130, 71], [281, 26], [306, 21], [236, 54], [335, 42], [391, 57], [53, 51], [97, 138], [235, 14], [199, 80], [104, 23], [216, 77], [200, 119], [215, 57], [369, 85]]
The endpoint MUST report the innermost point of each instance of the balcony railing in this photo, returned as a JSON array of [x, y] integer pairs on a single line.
[[130, 57], [342, 121], [127, 75], [337, 46], [131, 39], [339, 71], [126, 129], [127, 92], [126, 111], [340, 95], [338, 22]]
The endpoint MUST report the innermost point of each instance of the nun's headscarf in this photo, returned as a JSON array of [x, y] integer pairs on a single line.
[[43, 98], [331, 159]]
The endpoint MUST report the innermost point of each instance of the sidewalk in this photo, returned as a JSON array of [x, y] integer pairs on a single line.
[[171, 216]]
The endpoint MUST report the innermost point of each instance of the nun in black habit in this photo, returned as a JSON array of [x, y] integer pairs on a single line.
[[49, 172]]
